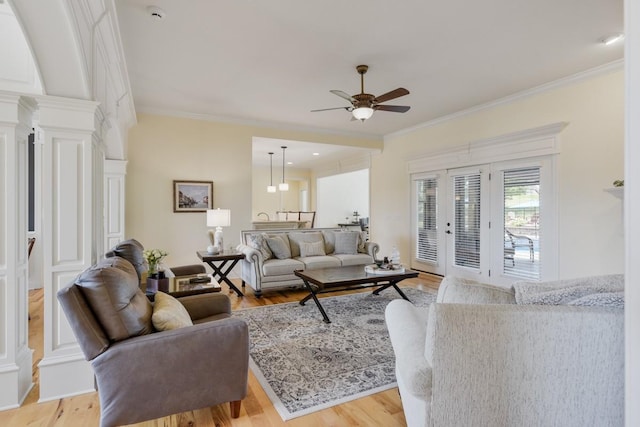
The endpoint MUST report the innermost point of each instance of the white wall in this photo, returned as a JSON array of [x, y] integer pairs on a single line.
[[262, 201], [337, 196], [590, 226]]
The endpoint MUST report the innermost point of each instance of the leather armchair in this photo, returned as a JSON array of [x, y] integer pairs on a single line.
[[143, 374]]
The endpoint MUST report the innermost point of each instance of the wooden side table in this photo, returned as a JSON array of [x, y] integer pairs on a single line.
[[218, 262]]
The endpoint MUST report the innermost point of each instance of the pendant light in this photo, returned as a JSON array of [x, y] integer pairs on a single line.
[[271, 188], [283, 185]]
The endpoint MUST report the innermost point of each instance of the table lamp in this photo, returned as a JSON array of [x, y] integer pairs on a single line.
[[217, 218]]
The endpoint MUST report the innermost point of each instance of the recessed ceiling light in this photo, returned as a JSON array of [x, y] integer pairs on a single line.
[[289, 163], [611, 39], [316, 154], [156, 13]]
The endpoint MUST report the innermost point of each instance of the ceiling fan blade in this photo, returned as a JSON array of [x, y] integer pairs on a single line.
[[396, 93], [342, 94], [327, 109], [394, 108]]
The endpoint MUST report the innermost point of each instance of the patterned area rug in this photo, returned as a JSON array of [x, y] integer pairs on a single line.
[[306, 365]]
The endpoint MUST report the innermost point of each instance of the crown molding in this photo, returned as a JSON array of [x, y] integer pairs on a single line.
[[254, 123]]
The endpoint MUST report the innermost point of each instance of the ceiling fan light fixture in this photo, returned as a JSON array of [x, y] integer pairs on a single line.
[[362, 113]]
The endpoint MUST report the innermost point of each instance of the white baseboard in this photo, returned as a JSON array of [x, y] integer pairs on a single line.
[[62, 377]]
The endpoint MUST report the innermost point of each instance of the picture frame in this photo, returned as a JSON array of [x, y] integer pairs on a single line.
[[192, 196]]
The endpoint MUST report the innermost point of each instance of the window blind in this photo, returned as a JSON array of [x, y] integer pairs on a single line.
[[427, 229], [466, 191]]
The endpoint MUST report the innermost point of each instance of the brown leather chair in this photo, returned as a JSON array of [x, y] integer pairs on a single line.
[[142, 374]]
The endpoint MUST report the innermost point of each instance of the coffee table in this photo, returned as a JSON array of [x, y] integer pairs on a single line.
[[348, 278]]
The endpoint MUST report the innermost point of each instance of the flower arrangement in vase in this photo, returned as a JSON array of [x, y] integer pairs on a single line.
[[154, 258]]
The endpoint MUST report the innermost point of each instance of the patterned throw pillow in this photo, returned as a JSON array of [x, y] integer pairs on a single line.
[[169, 313], [279, 247], [312, 248], [347, 242], [259, 243]]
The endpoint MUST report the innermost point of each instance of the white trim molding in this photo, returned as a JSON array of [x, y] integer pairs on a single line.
[[534, 142]]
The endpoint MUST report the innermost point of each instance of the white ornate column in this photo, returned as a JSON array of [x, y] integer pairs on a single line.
[[115, 172], [15, 355], [72, 174]]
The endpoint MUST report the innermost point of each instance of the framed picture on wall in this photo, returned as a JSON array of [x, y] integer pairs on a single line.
[[192, 196]]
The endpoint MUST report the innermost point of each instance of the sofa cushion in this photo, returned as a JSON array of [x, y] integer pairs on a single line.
[[330, 240], [259, 242], [296, 237], [132, 251], [168, 313], [353, 259], [316, 262], [277, 267], [279, 245], [457, 290], [312, 248], [347, 242], [111, 288]]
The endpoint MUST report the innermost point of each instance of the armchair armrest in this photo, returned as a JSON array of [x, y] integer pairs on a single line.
[[205, 305], [173, 371]]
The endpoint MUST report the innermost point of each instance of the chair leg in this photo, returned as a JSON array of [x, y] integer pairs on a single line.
[[235, 408]]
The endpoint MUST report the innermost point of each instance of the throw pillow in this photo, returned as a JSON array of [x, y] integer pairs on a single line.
[[259, 243], [168, 313], [312, 248], [279, 247], [347, 242]]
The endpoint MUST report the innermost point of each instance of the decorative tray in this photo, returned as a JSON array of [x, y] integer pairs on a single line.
[[390, 269]]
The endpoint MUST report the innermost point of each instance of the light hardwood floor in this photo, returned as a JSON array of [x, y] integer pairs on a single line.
[[381, 409]]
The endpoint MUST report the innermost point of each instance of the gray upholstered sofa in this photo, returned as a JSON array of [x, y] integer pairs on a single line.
[[265, 267], [483, 356]]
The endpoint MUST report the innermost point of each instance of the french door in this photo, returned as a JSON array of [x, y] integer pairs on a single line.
[[485, 222]]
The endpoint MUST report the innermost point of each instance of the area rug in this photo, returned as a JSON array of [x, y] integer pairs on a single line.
[[306, 365]]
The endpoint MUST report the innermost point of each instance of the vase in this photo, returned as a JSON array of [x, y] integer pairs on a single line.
[[153, 270]]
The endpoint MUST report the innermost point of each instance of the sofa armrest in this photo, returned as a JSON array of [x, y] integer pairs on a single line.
[[407, 326], [250, 254], [372, 249], [206, 305], [173, 371]]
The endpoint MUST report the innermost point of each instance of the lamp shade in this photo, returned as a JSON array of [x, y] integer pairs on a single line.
[[362, 113], [218, 218]]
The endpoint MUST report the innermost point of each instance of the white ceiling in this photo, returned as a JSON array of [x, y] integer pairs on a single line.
[[273, 61]]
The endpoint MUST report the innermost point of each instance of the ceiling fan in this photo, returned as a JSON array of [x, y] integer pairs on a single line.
[[364, 104]]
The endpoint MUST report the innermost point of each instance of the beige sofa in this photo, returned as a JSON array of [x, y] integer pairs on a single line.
[[480, 356], [264, 269]]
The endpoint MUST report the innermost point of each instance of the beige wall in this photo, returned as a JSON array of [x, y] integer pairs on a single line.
[[162, 149], [590, 221]]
